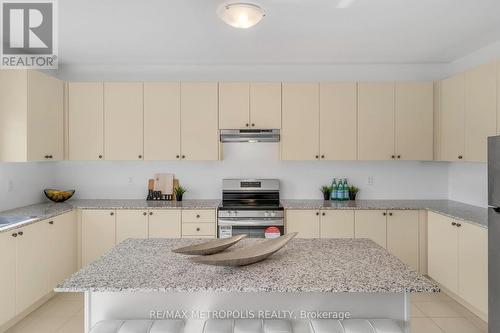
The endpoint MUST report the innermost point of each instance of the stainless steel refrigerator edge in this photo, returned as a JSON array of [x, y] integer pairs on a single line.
[[494, 234]]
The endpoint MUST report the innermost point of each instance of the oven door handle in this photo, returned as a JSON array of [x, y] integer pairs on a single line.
[[251, 223]]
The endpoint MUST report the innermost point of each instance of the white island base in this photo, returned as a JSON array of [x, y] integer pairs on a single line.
[[197, 307]]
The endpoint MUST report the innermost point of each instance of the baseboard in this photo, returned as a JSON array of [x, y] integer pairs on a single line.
[[26, 312]]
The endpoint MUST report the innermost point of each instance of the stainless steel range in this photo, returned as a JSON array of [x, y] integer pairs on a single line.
[[252, 207]]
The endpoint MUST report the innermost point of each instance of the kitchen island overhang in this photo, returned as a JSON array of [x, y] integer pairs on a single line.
[[143, 279]]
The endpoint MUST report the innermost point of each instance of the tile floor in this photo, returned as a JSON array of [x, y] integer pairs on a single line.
[[431, 313]]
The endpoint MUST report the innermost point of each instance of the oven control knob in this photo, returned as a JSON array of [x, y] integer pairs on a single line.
[[266, 214], [273, 214]]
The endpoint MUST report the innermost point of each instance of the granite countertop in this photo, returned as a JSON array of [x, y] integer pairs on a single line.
[[454, 209], [304, 265]]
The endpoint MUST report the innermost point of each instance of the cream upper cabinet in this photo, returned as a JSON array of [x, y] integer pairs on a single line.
[[403, 236], [98, 233], [8, 276], [473, 265], [498, 97], [414, 121], [165, 223], [452, 118], [265, 105], [162, 121], [86, 121], [199, 121], [123, 120], [131, 223], [62, 248], [337, 224], [32, 269], [31, 116], [375, 121], [480, 110], [300, 121], [304, 222], [442, 240], [371, 224], [234, 105], [338, 121]]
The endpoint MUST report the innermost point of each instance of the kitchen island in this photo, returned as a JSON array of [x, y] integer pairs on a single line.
[[141, 278]]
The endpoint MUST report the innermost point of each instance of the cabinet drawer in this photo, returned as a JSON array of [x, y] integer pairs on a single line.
[[198, 215], [198, 229]]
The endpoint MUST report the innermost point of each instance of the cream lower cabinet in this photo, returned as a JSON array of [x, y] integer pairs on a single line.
[[32, 264], [131, 223], [199, 223], [8, 276], [371, 224], [98, 233], [165, 223], [403, 236], [305, 222], [458, 259], [337, 224], [62, 248]]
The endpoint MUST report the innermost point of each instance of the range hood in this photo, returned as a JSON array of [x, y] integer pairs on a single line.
[[250, 135]]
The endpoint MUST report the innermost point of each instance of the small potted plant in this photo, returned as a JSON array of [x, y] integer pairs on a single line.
[[327, 191], [353, 190], [179, 192]]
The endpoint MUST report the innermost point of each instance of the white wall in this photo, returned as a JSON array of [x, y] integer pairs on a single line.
[[468, 182], [405, 180], [22, 184]]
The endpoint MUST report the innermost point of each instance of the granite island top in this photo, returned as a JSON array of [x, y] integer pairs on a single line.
[[304, 265], [42, 211]]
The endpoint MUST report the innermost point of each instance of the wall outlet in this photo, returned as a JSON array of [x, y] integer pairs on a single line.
[[370, 180], [10, 186]]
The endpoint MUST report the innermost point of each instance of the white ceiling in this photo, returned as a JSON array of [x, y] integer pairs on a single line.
[[188, 32]]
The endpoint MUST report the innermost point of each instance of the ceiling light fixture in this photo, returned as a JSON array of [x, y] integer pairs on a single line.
[[241, 15], [344, 3]]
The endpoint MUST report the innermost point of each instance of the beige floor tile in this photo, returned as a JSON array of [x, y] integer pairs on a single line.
[[74, 325], [437, 309], [423, 325], [70, 296], [39, 325], [415, 312], [427, 297], [456, 325], [58, 308]]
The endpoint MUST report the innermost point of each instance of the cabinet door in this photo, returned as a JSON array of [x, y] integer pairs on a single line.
[[480, 110], [338, 121], [62, 248], [414, 121], [498, 97], [300, 121], [375, 121], [337, 224], [452, 127], [86, 121], [165, 223], [442, 240], [162, 121], [98, 233], [473, 265], [13, 115], [304, 222], [123, 120], [199, 124], [371, 224], [32, 269], [45, 117], [265, 105], [234, 105], [402, 236], [131, 224], [8, 276]]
